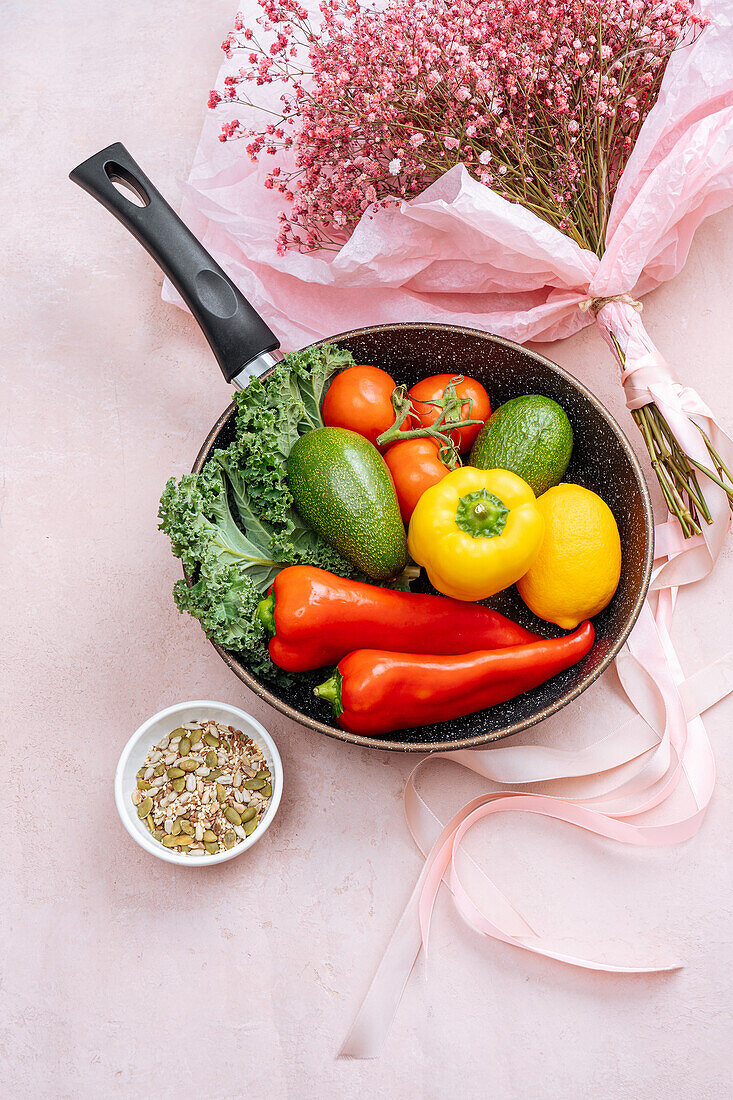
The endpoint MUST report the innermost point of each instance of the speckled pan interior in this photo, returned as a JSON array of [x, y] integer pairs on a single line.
[[602, 460]]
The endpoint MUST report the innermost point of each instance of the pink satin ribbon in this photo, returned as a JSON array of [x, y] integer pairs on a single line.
[[610, 784]]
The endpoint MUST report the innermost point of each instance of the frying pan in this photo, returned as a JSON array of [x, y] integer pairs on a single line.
[[245, 348]]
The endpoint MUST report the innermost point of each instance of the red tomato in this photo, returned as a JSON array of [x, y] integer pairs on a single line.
[[414, 466], [360, 398], [432, 389]]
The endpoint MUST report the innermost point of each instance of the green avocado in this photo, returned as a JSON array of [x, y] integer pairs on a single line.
[[529, 435], [343, 490]]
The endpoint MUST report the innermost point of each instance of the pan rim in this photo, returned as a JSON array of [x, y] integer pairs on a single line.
[[430, 747]]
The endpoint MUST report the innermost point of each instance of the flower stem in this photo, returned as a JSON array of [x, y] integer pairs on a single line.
[[676, 471]]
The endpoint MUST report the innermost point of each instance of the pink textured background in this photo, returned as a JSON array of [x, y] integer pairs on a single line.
[[120, 976]]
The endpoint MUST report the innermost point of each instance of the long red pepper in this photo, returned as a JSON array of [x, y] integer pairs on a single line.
[[376, 691], [316, 618]]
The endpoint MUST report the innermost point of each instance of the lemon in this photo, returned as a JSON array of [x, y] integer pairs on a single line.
[[577, 570]]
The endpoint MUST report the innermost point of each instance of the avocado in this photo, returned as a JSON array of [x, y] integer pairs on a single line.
[[343, 490], [531, 436]]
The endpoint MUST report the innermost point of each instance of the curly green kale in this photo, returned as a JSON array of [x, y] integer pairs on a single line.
[[225, 600], [289, 541], [271, 415], [195, 514], [233, 525]]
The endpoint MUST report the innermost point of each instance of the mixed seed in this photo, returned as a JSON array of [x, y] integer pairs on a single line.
[[203, 788]]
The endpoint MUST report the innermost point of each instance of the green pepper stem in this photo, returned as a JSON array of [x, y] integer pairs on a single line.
[[266, 613], [481, 514], [330, 692]]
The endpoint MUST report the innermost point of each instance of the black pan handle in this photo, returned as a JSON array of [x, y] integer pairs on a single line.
[[235, 331]]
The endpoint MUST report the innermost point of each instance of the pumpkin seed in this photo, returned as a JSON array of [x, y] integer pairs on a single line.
[[184, 745], [195, 736], [145, 807], [221, 794], [250, 826], [209, 836], [178, 784], [179, 733], [232, 816], [253, 784], [159, 770], [263, 774], [266, 790], [211, 759], [248, 814], [175, 773], [159, 834], [143, 785], [169, 841], [230, 839], [212, 739], [175, 831], [150, 823], [212, 848], [188, 828], [141, 773], [184, 840], [189, 764]]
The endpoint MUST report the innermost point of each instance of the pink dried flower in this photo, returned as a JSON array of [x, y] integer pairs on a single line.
[[378, 101]]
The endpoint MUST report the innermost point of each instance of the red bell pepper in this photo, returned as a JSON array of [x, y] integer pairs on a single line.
[[375, 691], [316, 618]]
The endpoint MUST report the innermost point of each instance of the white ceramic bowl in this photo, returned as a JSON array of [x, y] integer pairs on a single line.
[[156, 728]]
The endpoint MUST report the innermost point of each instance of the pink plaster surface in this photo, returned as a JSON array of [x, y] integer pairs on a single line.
[[121, 976]]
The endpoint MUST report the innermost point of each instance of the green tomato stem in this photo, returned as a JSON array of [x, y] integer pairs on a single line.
[[450, 418]]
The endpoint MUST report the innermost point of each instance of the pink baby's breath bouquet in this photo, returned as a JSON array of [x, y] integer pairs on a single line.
[[542, 102], [384, 112]]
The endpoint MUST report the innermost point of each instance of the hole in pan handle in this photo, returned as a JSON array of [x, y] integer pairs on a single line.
[[241, 341]]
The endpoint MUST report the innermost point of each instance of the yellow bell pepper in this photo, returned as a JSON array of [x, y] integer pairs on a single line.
[[476, 532]]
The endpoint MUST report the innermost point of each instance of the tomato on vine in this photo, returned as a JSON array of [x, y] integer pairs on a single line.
[[415, 466], [432, 389], [360, 398]]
